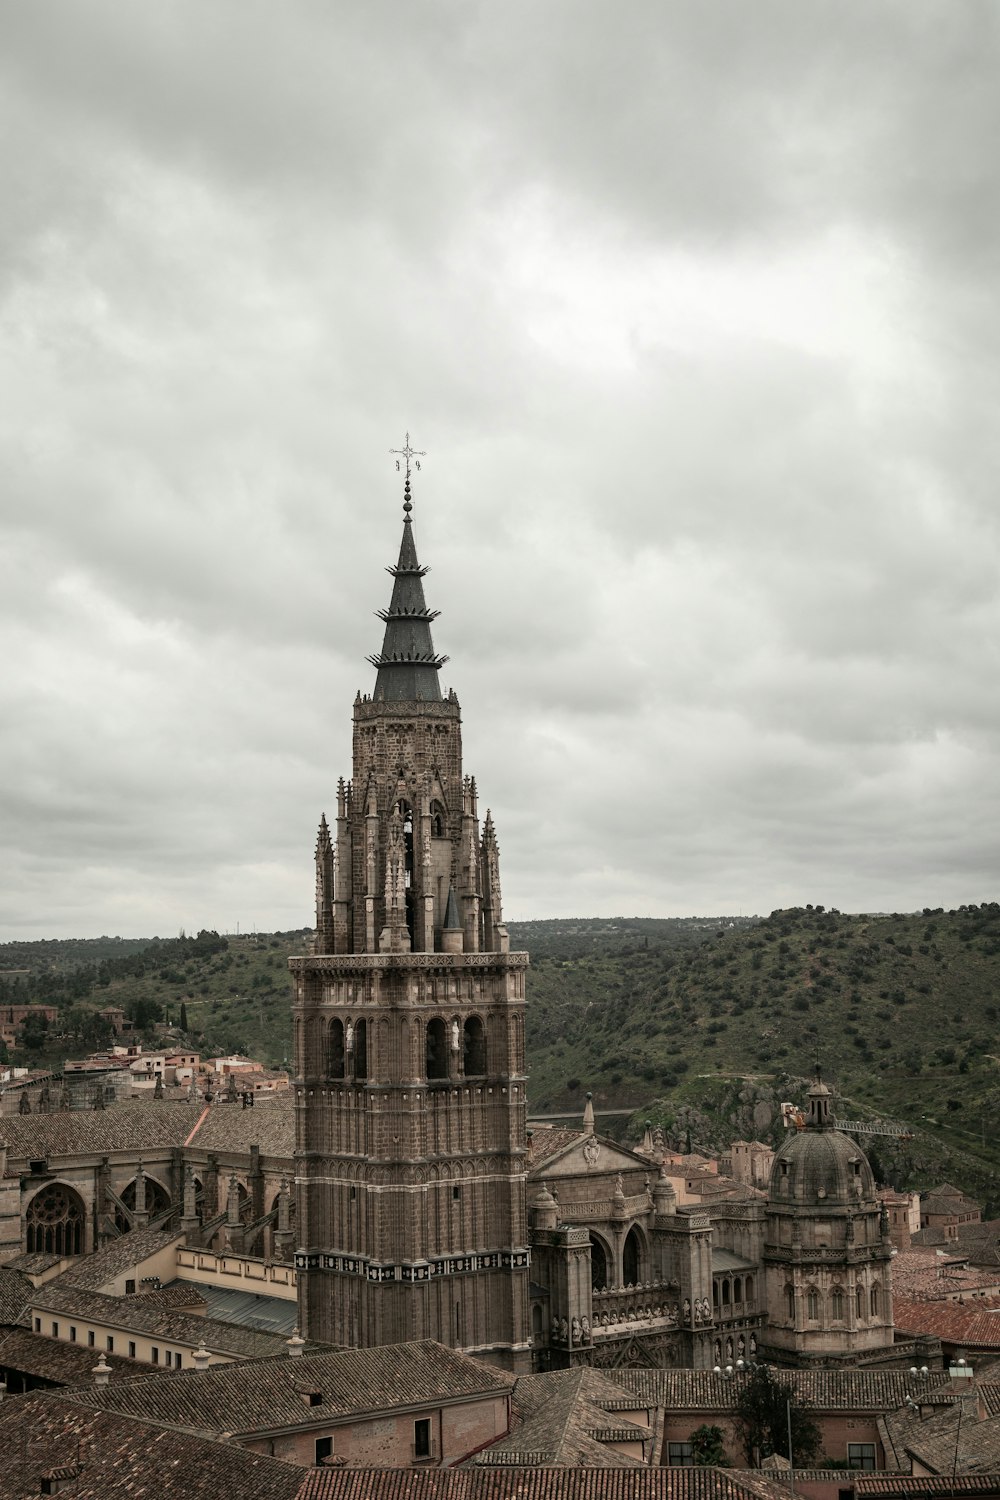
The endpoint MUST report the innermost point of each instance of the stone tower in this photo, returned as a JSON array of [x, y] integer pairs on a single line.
[[409, 1033], [826, 1248]]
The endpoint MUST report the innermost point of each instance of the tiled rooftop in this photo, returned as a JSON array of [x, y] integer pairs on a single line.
[[563, 1418], [230, 1129], [922, 1274], [538, 1484], [825, 1390], [59, 1362], [132, 1125], [110, 1457], [547, 1141], [142, 1315], [114, 1259], [976, 1324], [16, 1292], [265, 1395]]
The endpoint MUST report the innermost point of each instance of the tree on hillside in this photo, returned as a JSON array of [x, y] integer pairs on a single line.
[[762, 1415], [145, 1013], [34, 1032], [184, 1017]]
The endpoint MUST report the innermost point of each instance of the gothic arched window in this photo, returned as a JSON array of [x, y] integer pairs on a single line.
[[858, 1302], [598, 1266], [335, 1050], [361, 1050], [874, 1301], [812, 1303], [790, 1300], [474, 1048], [737, 1288], [726, 1291], [436, 1050], [632, 1259], [54, 1221], [437, 821], [837, 1304], [748, 1289]]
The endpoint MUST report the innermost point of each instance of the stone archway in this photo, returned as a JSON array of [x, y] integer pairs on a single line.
[[157, 1202], [55, 1221]]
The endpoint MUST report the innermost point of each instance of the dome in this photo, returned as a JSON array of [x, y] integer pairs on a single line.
[[819, 1166]]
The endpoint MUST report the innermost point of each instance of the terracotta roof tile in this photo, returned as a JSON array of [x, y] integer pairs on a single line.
[[111, 1457], [133, 1124], [267, 1394], [61, 1363], [537, 1484], [973, 1324], [825, 1390], [562, 1418]]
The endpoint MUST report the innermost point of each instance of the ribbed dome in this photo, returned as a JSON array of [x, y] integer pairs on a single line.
[[821, 1167]]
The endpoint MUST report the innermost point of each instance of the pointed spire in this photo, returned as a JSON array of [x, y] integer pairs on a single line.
[[588, 1116], [407, 665], [452, 920]]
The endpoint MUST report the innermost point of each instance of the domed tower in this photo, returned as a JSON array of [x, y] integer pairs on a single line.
[[826, 1247], [409, 1032]]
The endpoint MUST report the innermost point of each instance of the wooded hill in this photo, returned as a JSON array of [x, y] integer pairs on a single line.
[[702, 1025]]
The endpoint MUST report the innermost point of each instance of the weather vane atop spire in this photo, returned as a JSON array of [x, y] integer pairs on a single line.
[[407, 452]]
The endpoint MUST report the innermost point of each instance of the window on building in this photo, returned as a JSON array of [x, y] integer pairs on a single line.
[[748, 1289], [55, 1330], [812, 1303], [361, 1050], [130, 1287], [155, 1356], [680, 1453], [72, 1333], [422, 1437], [324, 1449], [474, 1048], [858, 1303], [790, 1300], [456, 1191], [725, 1291], [837, 1304], [436, 1049], [109, 1343], [874, 1301], [335, 1052], [131, 1349], [861, 1456], [38, 1325], [91, 1338]]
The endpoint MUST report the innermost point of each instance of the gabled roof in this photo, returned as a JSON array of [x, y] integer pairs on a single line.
[[823, 1390], [61, 1363], [974, 1324], [269, 1394], [142, 1314], [544, 1483], [107, 1456], [563, 1418], [570, 1158], [126, 1253]]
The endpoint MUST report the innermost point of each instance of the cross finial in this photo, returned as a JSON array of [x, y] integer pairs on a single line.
[[406, 452]]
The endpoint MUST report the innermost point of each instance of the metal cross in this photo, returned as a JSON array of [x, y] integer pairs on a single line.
[[407, 452]]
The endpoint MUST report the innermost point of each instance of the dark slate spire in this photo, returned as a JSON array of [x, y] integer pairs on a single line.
[[407, 666]]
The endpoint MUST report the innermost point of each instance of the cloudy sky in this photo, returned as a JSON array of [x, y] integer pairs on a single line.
[[693, 305]]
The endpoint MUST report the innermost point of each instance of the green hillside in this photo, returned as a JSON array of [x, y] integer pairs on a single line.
[[701, 1025]]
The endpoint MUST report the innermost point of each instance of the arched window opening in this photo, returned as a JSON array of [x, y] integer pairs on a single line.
[[726, 1291], [631, 1258], [748, 1288], [437, 1049], [157, 1202], [715, 1293], [790, 1300], [536, 1322], [737, 1289], [361, 1050], [837, 1304], [406, 814], [437, 821], [54, 1221], [874, 1301], [812, 1304], [474, 1048], [598, 1266], [858, 1303], [335, 1050]]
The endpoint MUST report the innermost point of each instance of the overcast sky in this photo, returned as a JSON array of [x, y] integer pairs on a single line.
[[693, 305]]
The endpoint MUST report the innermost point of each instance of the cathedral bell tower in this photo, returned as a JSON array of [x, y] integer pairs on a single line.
[[409, 1032]]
